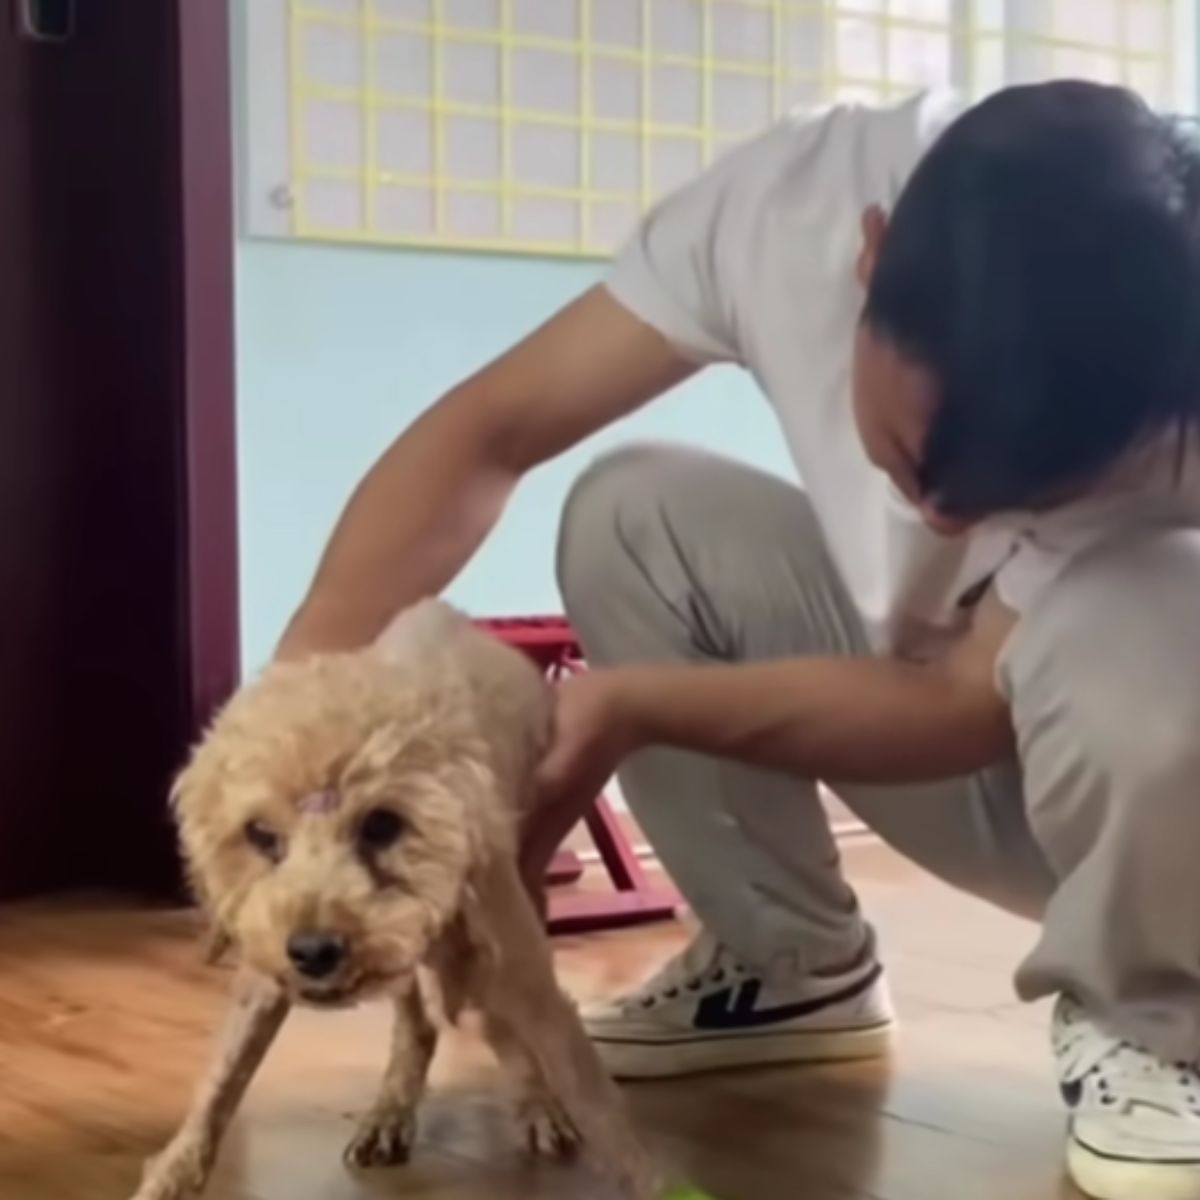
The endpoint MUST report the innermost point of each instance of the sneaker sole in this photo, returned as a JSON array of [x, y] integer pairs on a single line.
[[631, 1060], [1104, 1178]]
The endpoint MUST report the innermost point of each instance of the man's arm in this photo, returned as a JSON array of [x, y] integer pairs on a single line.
[[856, 720], [426, 506], [841, 720]]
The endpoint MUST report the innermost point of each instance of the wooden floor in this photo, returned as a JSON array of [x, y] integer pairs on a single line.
[[105, 1016]]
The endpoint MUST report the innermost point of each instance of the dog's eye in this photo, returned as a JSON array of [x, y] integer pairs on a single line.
[[380, 829], [265, 840]]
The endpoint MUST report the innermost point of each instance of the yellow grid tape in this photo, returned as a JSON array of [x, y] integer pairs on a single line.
[[436, 32], [370, 109], [507, 174], [1016, 37], [439, 186], [586, 141], [646, 127]]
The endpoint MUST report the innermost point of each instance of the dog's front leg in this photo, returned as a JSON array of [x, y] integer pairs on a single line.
[[259, 1010], [385, 1137], [542, 1123], [522, 1001]]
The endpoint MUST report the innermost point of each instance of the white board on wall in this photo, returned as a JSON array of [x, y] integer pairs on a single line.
[[538, 125], [549, 126]]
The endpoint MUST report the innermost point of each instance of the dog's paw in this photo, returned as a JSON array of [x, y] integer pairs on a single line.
[[546, 1130], [384, 1139], [179, 1173]]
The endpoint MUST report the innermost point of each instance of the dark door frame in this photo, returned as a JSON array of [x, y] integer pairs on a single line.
[[208, 237]]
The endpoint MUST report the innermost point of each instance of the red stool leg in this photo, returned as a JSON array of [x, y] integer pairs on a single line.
[[565, 867], [634, 899]]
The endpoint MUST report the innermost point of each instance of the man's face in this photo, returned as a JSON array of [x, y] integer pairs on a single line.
[[894, 398]]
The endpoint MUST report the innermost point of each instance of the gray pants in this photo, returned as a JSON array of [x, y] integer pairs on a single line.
[[669, 555]]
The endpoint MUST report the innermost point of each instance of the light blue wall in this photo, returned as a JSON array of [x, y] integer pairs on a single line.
[[339, 349]]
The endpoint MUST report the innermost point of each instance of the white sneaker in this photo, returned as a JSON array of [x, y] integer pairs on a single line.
[[705, 1011], [1135, 1120]]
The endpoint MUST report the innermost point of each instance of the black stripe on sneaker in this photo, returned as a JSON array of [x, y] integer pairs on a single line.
[[736, 1008]]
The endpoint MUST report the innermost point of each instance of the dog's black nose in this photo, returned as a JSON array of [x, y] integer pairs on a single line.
[[316, 954]]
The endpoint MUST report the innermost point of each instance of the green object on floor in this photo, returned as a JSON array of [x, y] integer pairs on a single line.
[[687, 1193]]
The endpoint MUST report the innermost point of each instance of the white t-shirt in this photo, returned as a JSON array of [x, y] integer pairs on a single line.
[[754, 263]]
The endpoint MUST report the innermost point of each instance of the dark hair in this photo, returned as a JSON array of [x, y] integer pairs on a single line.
[[1044, 262]]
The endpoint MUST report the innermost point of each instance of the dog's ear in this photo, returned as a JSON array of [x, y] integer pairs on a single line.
[[448, 974], [497, 918], [487, 927], [194, 789], [216, 945], [193, 798]]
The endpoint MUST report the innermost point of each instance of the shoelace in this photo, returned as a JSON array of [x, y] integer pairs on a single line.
[[700, 966], [1126, 1077], [694, 985]]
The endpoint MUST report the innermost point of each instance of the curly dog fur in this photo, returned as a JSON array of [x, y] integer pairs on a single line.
[[350, 825]]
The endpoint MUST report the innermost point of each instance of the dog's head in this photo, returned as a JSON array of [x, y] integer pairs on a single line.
[[332, 820]]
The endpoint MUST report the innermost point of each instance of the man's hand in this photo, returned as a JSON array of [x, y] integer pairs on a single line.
[[593, 735]]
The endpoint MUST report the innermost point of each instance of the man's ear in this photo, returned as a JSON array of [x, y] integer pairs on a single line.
[[874, 230]]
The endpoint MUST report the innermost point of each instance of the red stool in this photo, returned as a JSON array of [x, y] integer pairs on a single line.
[[551, 643]]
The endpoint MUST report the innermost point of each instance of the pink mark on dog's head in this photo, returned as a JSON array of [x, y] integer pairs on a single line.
[[326, 801]]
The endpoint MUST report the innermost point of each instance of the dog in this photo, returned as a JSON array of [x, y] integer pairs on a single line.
[[350, 825]]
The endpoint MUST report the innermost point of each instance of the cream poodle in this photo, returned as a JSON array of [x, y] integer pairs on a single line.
[[350, 825]]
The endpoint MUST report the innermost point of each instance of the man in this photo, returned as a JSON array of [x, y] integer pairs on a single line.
[[980, 334]]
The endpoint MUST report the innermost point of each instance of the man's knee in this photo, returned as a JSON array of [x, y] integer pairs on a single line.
[[611, 506], [1101, 670]]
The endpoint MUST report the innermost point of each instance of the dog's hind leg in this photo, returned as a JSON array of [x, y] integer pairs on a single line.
[[385, 1136], [259, 1010], [520, 996]]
